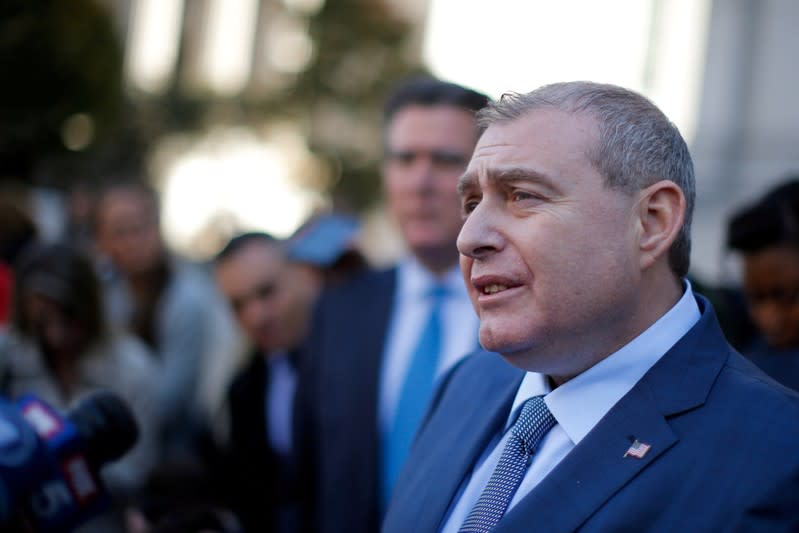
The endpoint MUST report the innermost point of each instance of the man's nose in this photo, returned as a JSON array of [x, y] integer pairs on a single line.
[[255, 311], [771, 316], [422, 172], [480, 234]]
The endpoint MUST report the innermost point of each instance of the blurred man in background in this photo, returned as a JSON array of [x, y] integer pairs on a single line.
[[766, 234], [168, 302], [271, 286], [379, 341], [272, 299]]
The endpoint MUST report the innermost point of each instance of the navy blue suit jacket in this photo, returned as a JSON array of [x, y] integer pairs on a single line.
[[724, 449], [258, 483], [337, 404]]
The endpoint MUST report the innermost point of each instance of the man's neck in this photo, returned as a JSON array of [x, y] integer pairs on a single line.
[[658, 297], [437, 264]]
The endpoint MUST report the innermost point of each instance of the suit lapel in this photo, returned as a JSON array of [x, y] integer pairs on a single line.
[[597, 467], [454, 453]]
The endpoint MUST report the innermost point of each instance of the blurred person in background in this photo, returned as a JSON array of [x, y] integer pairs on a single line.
[[379, 340], [59, 348], [79, 204], [766, 234], [271, 298], [271, 286], [17, 231], [169, 303]]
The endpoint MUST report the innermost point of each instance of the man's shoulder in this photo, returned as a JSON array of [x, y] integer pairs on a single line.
[[362, 283], [706, 379], [190, 285], [747, 409], [742, 379], [367, 293]]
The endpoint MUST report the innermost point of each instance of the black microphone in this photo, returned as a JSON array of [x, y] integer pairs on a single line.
[[106, 425], [49, 464]]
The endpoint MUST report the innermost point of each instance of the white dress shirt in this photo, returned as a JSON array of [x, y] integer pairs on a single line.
[[577, 405], [281, 386], [411, 309]]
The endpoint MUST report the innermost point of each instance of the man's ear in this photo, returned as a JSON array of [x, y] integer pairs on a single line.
[[661, 212]]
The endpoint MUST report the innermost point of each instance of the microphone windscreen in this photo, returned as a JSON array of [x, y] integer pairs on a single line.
[[106, 425]]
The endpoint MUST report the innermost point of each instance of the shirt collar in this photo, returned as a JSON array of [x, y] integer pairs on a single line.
[[415, 281], [277, 358], [580, 403]]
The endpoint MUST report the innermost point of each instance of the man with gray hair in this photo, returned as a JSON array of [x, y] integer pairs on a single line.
[[622, 406]]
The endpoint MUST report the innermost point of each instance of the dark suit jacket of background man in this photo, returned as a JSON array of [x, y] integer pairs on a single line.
[[338, 402], [724, 449], [257, 480]]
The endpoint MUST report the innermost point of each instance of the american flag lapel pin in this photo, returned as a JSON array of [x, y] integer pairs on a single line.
[[637, 449]]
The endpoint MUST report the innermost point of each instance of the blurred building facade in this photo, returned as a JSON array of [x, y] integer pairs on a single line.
[[306, 78], [748, 121]]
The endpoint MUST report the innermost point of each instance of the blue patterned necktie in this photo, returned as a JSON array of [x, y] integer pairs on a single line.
[[414, 395], [533, 423]]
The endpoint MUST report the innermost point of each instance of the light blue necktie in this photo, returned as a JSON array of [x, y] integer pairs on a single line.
[[533, 423], [414, 396]]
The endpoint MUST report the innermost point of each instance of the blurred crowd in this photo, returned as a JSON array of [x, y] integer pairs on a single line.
[[278, 386], [108, 306]]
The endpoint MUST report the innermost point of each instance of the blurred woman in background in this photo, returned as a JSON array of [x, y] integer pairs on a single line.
[[59, 348]]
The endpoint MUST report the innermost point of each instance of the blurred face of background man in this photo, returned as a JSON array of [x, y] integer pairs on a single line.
[[128, 231], [271, 297], [549, 253], [427, 149], [771, 283]]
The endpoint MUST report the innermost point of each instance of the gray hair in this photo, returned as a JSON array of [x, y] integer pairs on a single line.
[[638, 145]]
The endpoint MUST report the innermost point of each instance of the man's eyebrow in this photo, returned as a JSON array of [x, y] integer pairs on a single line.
[[469, 179], [466, 181], [522, 174]]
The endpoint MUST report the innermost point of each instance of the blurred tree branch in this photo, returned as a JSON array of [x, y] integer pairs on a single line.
[[63, 57]]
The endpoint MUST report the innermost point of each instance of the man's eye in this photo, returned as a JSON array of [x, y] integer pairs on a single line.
[[468, 206], [402, 157], [785, 297], [405, 157], [264, 291], [520, 196]]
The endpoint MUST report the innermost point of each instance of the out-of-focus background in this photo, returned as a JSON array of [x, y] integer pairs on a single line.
[[253, 114]]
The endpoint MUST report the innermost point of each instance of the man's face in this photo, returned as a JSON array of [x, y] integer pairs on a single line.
[[428, 148], [128, 232], [547, 251], [771, 282], [270, 297]]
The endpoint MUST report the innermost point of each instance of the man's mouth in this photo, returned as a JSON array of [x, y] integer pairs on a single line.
[[494, 288], [493, 284]]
